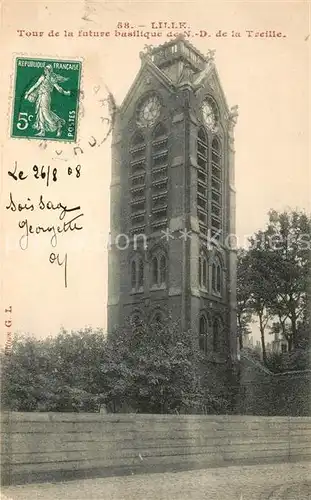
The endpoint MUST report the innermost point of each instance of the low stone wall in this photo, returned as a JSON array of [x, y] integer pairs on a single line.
[[49, 446]]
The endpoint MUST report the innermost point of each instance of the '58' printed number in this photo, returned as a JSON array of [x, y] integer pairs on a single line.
[[23, 121]]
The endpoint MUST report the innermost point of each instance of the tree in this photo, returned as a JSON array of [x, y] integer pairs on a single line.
[[244, 286], [295, 360], [274, 277], [256, 285], [76, 357], [54, 374], [143, 368], [288, 236], [23, 375], [154, 369]]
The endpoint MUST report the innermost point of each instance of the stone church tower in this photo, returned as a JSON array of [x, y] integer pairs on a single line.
[[173, 199]]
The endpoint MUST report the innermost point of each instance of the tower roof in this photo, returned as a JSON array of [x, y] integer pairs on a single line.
[[177, 50], [175, 63]]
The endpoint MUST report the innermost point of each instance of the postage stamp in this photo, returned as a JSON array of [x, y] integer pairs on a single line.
[[46, 99]]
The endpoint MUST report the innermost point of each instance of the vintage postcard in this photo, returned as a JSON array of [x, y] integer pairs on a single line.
[[155, 250]]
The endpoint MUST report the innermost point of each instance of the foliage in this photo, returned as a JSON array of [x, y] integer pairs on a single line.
[[154, 368], [296, 360], [289, 237], [252, 353], [274, 278], [244, 314], [256, 262], [54, 374]]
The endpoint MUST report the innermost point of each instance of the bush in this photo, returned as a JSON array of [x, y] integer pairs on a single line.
[[141, 368], [152, 369], [55, 374], [296, 360]]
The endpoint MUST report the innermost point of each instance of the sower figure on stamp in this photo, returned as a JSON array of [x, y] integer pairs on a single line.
[[40, 92]]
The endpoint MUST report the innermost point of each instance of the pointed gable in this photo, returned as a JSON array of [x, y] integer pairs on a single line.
[[148, 74], [211, 81]]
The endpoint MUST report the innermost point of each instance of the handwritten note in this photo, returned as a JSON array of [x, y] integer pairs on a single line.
[[67, 218]]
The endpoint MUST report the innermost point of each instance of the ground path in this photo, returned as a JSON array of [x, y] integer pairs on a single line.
[[256, 482]]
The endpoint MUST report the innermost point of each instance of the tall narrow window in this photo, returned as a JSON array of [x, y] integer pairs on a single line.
[[155, 271], [140, 274], [217, 332], [203, 271], [203, 333], [217, 276], [218, 279], [159, 178], [137, 274], [133, 274], [158, 269], [136, 323], [135, 319], [202, 180], [217, 194], [158, 318], [162, 269], [214, 277], [137, 183]]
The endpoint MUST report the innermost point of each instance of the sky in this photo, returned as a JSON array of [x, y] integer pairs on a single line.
[[267, 77]]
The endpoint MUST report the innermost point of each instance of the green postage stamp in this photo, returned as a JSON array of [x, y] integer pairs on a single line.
[[46, 99]]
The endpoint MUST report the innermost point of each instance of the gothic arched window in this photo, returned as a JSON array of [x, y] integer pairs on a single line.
[[138, 139], [216, 153], [217, 276], [133, 274], [136, 322], [202, 137], [155, 271], [159, 177], [136, 319], [217, 190], [203, 271], [140, 274], [137, 274], [157, 318], [162, 269], [202, 180], [160, 132], [203, 333], [137, 182], [217, 332], [158, 269]]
